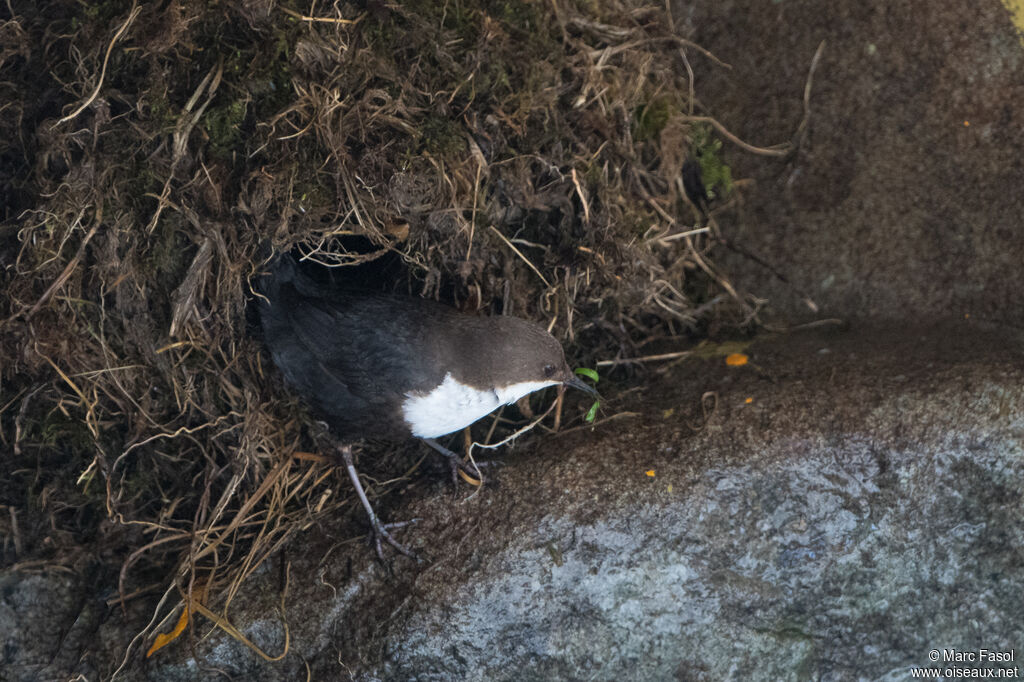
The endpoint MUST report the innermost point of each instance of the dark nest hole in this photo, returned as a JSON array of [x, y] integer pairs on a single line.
[[507, 157]]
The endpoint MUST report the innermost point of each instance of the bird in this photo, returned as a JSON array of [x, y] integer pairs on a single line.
[[380, 365]]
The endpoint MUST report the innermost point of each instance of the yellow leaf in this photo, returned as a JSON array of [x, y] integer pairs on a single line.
[[163, 640], [650, 472], [736, 360]]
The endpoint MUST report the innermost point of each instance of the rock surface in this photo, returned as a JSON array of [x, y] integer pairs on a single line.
[[861, 510], [904, 198]]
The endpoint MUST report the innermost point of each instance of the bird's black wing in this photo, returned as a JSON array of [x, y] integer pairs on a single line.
[[353, 357]]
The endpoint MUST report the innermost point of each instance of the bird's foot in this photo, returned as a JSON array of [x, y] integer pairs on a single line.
[[469, 470], [379, 531]]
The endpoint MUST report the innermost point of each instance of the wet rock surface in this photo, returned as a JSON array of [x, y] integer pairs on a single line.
[[860, 510], [902, 200]]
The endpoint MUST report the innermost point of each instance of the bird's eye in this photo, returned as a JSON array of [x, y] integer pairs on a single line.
[[549, 371]]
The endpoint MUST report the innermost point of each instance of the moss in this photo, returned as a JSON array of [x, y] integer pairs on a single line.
[[650, 119], [59, 430], [270, 80], [309, 193], [224, 127], [523, 15], [441, 136], [162, 114], [97, 13], [716, 175]]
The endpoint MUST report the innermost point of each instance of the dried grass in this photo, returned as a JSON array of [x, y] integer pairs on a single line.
[[513, 157]]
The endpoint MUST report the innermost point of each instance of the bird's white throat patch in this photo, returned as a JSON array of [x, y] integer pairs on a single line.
[[452, 406]]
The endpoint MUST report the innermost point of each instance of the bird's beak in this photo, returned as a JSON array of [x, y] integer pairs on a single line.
[[575, 382]]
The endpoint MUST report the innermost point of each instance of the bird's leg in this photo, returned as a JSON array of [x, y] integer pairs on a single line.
[[455, 462], [380, 530]]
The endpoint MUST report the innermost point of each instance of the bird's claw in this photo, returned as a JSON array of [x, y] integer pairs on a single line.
[[379, 531], [470, 470]]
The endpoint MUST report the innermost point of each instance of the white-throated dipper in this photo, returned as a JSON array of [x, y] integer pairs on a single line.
[[376, 365]]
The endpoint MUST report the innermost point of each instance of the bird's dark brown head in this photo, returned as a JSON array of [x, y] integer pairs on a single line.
[[502, 351]]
